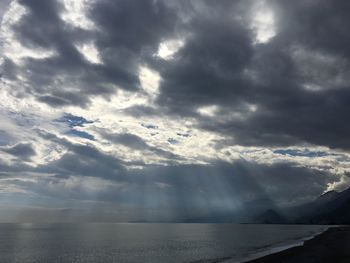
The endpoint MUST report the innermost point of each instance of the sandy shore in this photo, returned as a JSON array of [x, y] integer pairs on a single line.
[[332, 246]]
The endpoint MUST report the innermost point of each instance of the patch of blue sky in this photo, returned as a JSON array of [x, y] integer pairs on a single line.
[[73, 121], [81, 134], [172, 141], [149, 126], [183, 134], [302, 153]]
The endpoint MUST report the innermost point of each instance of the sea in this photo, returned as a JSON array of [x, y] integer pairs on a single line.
[[146, 242]]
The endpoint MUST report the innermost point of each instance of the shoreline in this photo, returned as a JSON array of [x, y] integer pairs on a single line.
[[262, 253], [281, 247], [331, 245]]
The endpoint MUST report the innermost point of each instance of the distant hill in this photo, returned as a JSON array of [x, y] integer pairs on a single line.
[[330, 208]]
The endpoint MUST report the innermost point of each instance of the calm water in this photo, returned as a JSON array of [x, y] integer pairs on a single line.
[[141, 242]]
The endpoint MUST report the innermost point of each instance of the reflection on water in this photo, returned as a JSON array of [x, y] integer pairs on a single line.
[[139, 242]]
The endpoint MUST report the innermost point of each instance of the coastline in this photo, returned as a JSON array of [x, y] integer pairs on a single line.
[[280, 247], [267, 251], [332, 245]]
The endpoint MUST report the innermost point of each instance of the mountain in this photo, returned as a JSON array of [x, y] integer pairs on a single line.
[[330, 208], [328, 196]]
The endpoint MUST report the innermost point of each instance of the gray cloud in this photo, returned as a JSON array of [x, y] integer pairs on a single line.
[[220, 66], [281, 183], [135, 142], [125, 31], [83, 160], [5, 138], [21, 150]]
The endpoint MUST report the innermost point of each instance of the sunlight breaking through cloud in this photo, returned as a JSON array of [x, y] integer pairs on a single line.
[[168, 48], [263, 22], [90, 52], [75, 13]]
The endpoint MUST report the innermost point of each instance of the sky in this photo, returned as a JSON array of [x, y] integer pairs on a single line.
[[166, 110]]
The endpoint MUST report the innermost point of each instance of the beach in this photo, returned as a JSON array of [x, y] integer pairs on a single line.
[[333, 245]]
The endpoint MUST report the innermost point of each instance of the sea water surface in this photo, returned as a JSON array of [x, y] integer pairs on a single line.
[[137, 242]]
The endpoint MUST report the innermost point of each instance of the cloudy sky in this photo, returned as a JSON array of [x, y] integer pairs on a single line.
[[158, 109]]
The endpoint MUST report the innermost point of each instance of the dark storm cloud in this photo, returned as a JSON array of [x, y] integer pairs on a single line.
[[208, 69], [21, 150], [219, 65], [321, 24], [83, 160], [132, 25], [42, 27], [125, 31]]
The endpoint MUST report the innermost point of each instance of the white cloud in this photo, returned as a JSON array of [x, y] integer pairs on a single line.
[[75, 13], [209, 111], [263, 22], [149, 80], [168, 48], [90, 52]]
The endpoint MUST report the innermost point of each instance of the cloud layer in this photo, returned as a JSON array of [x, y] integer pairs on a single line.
[[160, 106]]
